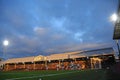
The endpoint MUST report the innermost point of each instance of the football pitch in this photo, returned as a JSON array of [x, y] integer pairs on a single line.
[[54, 75]]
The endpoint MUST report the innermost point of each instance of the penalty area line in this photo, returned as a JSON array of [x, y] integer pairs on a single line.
[[41, 76]]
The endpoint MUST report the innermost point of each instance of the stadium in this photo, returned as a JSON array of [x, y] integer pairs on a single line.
[[77, 60], [90, 64]]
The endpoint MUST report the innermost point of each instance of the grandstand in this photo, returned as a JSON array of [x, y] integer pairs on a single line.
[[94, 59]]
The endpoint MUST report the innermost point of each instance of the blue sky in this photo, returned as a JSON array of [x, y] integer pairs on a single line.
[[43, 27]]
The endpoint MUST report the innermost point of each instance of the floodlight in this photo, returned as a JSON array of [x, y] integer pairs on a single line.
[[114, 17], [5, 42]]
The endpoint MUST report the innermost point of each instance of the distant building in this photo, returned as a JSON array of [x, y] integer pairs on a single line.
[[94, 59]]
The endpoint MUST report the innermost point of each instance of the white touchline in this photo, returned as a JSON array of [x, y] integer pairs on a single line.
[[41, 76]]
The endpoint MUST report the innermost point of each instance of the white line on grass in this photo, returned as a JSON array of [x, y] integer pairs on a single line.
[[41, 76]]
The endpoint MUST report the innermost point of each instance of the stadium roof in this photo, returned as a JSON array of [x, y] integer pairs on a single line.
[[75, 54], [97, 52], [65, 55]]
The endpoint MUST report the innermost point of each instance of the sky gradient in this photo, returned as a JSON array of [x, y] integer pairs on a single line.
[[43, 27]]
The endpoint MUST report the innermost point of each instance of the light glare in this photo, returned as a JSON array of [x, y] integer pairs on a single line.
[[114, 17], [5, 42]]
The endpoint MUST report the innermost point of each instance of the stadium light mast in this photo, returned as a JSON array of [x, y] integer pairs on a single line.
[[116, 35], [5, 44]]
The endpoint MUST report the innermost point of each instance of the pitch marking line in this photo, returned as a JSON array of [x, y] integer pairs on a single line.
[[41, 76]]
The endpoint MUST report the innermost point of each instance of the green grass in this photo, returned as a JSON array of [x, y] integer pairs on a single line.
[[54, 75]]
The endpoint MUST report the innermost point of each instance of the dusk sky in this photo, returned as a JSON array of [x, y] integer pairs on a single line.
[[43, 27]]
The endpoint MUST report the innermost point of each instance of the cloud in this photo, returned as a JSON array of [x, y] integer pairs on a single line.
[[79, 36], [58, 36], [40, 30], [58, 22], [43, 27]]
